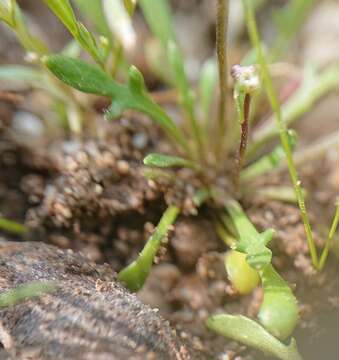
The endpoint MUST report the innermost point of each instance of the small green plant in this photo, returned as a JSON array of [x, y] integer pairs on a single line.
[[207, 146]]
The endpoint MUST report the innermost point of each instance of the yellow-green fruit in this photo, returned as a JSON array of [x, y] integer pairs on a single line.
[[242, 276]]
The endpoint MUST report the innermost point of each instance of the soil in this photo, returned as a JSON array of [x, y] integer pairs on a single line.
[[91, 195]]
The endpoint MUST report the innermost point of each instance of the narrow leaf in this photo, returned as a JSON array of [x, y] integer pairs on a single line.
[[63, 10], [12, 226], [20, 73], [135, 274], [165, 161], [93, 11], [25, 292], [207, 85], [158, 17]]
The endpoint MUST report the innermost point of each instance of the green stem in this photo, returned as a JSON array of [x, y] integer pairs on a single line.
[[221, 44], [330, 237], [300, 102], [254, 35]]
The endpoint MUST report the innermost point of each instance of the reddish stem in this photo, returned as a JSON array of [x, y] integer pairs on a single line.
[[243, 138]]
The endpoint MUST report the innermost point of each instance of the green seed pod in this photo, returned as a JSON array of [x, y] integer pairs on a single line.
[[244, 278], [279, 310]]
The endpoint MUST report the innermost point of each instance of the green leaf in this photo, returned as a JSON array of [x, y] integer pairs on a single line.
[[207, 85], [136, 82], [91, 79], [83, 76], [12, 226], [180, 79], [25, 292], [93, 10], [5, 14], [130, 6], [158, 17], [250, 333], [165, 161], [185, 94], [32, 77], [63, 10], [18, 24], [20, 73], [288, 21], [135, 274]]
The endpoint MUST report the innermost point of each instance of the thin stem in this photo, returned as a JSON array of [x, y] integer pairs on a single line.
[[271, 93], [300, 102], [243, 138], [330, 237], [221, 44]]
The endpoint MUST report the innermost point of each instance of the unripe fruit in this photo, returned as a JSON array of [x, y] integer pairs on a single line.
[[244, 278]]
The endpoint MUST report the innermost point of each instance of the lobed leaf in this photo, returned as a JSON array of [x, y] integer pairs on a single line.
[[91, 79]]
